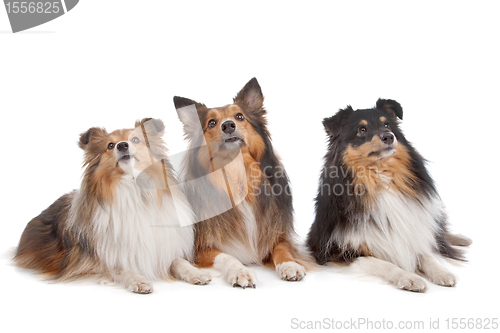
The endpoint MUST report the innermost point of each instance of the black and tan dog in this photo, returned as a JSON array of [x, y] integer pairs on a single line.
[[377, 205]]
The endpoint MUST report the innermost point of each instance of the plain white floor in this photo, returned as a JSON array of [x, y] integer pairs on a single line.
[[111, 62]]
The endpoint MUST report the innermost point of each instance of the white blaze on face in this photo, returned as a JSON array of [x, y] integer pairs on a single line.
[[392, 150], [126, 164]]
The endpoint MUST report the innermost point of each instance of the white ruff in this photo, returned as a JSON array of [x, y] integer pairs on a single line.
[[246, 253], [136, 233], [398, 229]]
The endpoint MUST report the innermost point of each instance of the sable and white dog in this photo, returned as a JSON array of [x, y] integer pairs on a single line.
[[242, 195], [128, 223]]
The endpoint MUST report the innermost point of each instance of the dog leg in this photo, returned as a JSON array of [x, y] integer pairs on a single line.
[[181, 269], [435, 272], [235, 272], [231, 268], [458, 240], [286, 267], [390, 273], [133, 281]]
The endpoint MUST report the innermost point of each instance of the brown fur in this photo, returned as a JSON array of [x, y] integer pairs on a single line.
[[60, 249], [252, 152], [101, 180], [40, 248], [206, 259], [282, 252], [274, 235], [230, 225], [254, 147], [48, 247], [369, 170], [365, 251]]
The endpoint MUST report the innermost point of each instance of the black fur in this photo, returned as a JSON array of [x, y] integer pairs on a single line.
[[338, 213]]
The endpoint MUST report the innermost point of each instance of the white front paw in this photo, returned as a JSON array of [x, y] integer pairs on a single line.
[[445, 279], [241, 276], [185, 271], [291, 271], [143, 287], [235, 272], [200, 279], [413, 283]]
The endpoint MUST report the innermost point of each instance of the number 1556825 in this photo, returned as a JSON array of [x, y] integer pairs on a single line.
[[32, 7]]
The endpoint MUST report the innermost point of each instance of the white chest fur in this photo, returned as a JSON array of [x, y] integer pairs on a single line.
[[136, 233], [246, 252], [399, 229]]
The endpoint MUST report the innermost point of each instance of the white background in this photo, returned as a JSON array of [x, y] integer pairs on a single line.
[[108, 63]]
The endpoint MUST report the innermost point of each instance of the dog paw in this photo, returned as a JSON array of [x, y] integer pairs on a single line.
[[242, 277], [412, 283], [445, 279], [290, 271], [185, 271], [201, 279], [142, 288]]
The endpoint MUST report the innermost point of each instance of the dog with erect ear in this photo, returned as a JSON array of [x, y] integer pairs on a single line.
[[377, 207], [129, 223], [239, 190]]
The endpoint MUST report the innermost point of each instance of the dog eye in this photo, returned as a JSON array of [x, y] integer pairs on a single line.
[[240, 117], [386, 125], [111, 145], [211, 123], [135, 140], [362, 129]]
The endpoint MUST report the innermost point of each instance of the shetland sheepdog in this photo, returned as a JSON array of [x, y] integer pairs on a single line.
[[129, 223], [239, 190], [377, 205]]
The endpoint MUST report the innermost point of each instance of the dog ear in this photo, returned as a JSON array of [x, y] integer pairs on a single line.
[[92, 133], [391, 106], [181, 102], [189, 114], [152, 126], [334, 124], [150, 131], [250, 96]]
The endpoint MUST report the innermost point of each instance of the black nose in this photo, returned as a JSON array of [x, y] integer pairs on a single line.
[[122, 146], [387, 138], [228, 126]]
